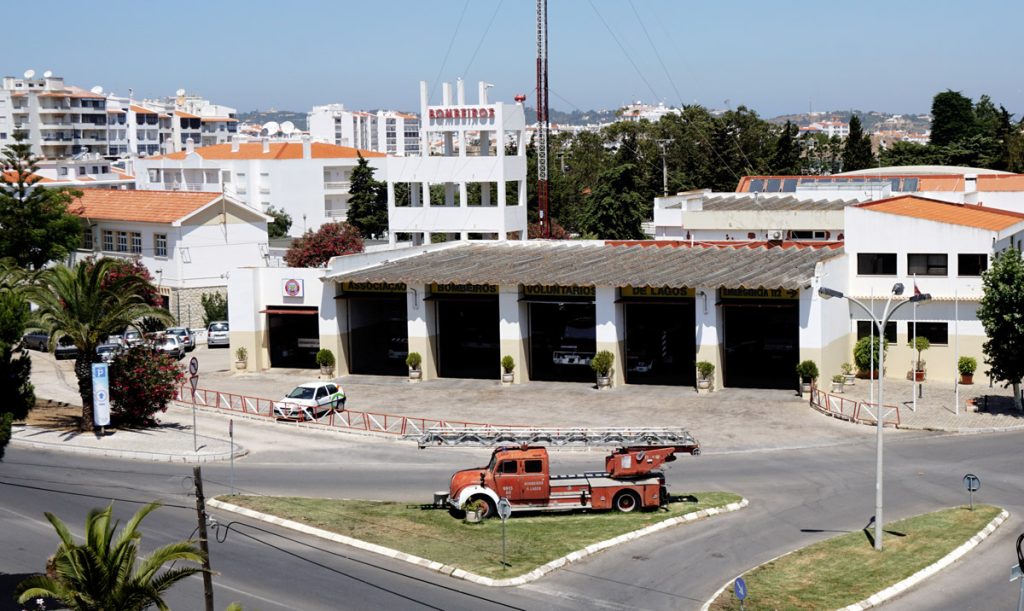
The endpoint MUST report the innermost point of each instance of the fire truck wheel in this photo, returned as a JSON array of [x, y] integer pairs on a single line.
[[626, 501], [489, 509]]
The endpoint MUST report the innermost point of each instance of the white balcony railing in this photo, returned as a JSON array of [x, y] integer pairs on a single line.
[[337, 185]]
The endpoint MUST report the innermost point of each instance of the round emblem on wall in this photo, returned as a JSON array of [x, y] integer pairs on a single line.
[[292, 287]]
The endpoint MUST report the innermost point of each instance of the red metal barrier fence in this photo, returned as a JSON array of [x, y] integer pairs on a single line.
[[852, 410], [350, 420]]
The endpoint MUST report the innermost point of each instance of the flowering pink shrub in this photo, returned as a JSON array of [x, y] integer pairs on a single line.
[[315, 249], [142, 382]]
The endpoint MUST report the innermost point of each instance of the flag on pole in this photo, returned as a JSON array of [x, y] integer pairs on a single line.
[[917, 291]]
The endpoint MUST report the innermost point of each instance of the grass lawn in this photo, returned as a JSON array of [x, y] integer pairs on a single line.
[[846, 569], [433, 534]]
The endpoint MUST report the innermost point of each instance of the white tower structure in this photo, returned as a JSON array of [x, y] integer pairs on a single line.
[[462, 146]]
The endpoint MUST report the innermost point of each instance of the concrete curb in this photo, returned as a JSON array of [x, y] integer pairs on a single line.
[[122, 453], [901, 586], [458, 573]]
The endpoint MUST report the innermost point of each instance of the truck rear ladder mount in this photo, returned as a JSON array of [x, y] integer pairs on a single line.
[[491, 436]]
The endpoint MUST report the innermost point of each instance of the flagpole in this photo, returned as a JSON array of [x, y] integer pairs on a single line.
[[871, 371], [956, 352], [913, 344]]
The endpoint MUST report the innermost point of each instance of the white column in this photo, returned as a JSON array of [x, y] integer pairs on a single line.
[[421, 325], [709, 331], [513, 330], [610, 324], [392, 235]]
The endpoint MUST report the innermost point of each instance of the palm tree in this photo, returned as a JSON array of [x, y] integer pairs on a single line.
[[86, 303], [102, 574]]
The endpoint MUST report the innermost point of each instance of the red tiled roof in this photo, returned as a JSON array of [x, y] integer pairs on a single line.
[[967, 215], [141, 206], [218, 120], [185, 115], [278, 150], [139, 110], [10, 176]]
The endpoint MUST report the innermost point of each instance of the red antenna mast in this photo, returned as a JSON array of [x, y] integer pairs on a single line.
[[542, 117]]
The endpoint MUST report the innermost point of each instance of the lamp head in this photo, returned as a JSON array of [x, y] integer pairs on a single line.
[[897, 289], [827, 293]]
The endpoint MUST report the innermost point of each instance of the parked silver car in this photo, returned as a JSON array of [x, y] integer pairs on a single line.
[[186, 337], [217, 334], [107, 352], [171, 345]]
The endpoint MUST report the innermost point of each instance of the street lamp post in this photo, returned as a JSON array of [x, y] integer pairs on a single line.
[[897, 290]]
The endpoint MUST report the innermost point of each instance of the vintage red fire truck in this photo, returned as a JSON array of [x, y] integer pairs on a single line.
[[521, 474]]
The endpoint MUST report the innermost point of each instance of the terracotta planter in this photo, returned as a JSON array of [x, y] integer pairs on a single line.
[[918, 376], [967, 378]]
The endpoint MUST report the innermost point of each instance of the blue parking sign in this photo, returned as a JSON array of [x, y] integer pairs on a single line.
[[100, 395]]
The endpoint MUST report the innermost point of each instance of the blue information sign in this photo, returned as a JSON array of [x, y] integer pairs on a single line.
[[740, 588], [100, 395]]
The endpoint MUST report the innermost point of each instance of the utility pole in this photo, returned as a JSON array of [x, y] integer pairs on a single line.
[[197, 475], [542, 118], [664, 166]]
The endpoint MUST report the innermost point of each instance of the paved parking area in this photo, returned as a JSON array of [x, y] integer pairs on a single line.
[[730, 420]]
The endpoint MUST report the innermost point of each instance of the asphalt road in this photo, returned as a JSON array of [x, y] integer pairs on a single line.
[[797, 497]]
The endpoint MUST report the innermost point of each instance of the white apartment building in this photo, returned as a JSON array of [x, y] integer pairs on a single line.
[[498, 205], [384, 131], [58, 120], [308, 180], [189, 242], [827, 128], [649, 112]]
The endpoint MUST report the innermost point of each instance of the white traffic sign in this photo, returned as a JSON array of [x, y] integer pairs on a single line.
[[504, 509]]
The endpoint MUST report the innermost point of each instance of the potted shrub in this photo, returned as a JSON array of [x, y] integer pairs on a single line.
[[602, 366], [967, 365], [808, 372], [862, 356], [838, 381], [325, 358], [705, 375], [508, 364], [474, 509], [920, 344], [413, 361], [848, 376], [241, 358]]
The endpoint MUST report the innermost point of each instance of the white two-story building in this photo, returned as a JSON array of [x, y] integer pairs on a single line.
[[308, 180], [941, 248], [189, 242]]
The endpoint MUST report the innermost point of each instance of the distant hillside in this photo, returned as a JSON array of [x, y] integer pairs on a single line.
[[263, 116], [910, 121]]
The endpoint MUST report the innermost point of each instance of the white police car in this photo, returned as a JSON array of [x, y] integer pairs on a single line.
[[310, 401]]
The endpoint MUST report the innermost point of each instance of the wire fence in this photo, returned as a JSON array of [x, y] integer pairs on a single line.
[[342, 419]]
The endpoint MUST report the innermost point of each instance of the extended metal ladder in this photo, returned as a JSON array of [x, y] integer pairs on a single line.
[[443, 435]]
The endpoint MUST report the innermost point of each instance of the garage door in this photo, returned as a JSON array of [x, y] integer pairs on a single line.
[[762, 343]]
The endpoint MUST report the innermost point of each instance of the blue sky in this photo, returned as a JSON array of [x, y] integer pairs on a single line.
[[775, 57]]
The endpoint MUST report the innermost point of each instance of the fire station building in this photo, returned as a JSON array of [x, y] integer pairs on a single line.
[[657, 306]]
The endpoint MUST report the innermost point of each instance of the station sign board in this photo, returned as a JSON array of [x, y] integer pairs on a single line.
[[554, 290], [760, 293], [454, 288], [373, 287], [462, 114], [293, 287], [657, 292]]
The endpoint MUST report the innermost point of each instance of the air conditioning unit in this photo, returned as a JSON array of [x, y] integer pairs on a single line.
[[776, 234]]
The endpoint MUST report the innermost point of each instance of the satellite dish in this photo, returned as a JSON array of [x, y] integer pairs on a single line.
[[97, 89], [179, 92], [30, 73], [48, 74], [271, 127], [287, 128]]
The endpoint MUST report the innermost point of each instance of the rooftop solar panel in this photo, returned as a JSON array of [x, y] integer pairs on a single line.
[[789, 185], [773, 185], [910, 184], [756, 185]]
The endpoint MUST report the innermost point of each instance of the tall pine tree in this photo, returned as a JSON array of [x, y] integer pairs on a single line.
[[857, 150], [36, 225], [367, 202]]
